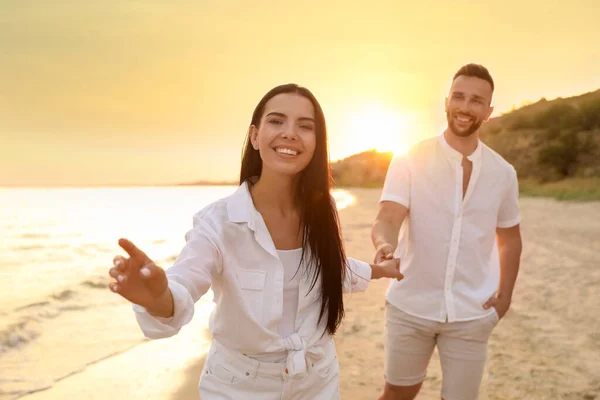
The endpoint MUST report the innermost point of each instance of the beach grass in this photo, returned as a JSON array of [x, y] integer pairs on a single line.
[[575, 189]]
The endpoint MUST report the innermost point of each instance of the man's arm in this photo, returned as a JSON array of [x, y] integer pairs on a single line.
[[509, 249], [384, 233]]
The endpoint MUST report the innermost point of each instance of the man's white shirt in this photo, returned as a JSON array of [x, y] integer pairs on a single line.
[[447, 245]]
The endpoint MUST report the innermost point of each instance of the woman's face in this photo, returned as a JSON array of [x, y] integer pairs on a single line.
[[286, 136]]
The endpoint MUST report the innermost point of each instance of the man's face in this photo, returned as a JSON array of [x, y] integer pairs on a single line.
[[468, 105]]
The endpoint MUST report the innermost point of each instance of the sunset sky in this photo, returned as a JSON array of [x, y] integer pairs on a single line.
[[152, 92]]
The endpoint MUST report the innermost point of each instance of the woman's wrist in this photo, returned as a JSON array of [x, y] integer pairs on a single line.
[[164, 306], [375, 271]]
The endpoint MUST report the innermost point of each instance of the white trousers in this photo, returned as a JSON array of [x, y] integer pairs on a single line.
[[228, 375]]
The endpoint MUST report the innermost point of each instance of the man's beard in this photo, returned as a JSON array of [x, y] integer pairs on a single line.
[[475, 125]]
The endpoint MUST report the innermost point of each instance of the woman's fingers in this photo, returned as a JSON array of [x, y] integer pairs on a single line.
[[136, 278], [114, 287], [121, 277], [119, 271], [133, 251], [120, 263]]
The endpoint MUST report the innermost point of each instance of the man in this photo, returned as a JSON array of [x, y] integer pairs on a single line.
[[460, 247]]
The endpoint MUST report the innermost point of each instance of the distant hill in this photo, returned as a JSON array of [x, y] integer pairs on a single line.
[[550, 140], [209, 183], [545, 141], [365, 169]]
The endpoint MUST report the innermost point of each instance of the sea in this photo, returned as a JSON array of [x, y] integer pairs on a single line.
[[57, 315]]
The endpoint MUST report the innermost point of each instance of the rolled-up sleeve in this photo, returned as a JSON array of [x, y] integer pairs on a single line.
[[189, 278], [358, 276]]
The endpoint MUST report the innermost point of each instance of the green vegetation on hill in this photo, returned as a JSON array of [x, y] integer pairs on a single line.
[[550, 140], [553, 145], [365, 169]]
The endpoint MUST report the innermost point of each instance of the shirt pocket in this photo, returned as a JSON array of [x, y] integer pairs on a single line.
[[252, 283]]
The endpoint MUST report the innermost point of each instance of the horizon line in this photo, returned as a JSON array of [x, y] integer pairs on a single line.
[[172, 184]]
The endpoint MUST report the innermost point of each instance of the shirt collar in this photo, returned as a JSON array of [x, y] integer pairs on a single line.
[[240, 207], [454, 155]]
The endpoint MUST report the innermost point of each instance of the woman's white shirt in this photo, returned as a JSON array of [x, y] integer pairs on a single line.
[[230, 249]]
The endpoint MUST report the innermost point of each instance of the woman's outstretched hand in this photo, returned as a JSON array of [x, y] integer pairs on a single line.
[[140, 281], [387, 269]]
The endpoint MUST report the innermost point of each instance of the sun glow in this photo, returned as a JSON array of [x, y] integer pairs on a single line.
[[377, 127]]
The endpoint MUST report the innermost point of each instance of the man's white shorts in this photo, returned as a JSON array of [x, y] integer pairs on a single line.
[[462, 347]]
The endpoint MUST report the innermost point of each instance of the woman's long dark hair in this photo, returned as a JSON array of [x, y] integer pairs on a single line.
[[321, 238]]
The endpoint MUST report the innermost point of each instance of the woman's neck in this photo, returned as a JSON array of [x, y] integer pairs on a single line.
[[275, 193]]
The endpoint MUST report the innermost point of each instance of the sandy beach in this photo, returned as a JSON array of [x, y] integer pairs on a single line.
[[547, 347]]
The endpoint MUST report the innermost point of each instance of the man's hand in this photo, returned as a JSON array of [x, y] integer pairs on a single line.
[[385, 251], [500, 303], [384, 233]]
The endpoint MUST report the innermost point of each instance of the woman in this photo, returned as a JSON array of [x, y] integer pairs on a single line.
[[272, 253]]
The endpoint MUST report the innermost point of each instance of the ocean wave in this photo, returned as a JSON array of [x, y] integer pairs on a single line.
[[24, 324], [34, 236], [28, 319], [20, 333], [28, 247], [51, 247], [96, 284], [33, 305], [64, 295]]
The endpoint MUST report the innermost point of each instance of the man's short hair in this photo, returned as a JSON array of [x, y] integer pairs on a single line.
[[477, 71]]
